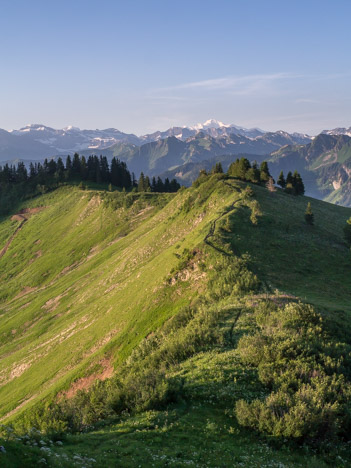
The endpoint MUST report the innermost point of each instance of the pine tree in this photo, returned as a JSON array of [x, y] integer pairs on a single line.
[[147, 184], [264, 172], [281, 180], [298, 184], [141, 183], [289, 188], [153, 185], [76, 164], [309, 217], [253, 174], [68, 173], [217, 169], [167, 185], [83, 168], [159, 185]]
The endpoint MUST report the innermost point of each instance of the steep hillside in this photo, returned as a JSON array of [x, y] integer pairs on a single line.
[[325, 164], [83, 276], [90, 283]]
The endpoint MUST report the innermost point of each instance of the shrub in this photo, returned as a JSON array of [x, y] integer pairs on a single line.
[[304, 369]]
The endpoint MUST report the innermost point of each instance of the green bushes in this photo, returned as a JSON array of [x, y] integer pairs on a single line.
[[142, 382], [231, 277], [306, 371]]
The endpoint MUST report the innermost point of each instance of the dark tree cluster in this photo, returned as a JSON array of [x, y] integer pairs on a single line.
[[156, 185], [243, 170], [93, 169], [19, 182], [292, 184], [78, 168]]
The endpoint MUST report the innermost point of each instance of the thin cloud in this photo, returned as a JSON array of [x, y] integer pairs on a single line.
[[232, 81], [234, 85], [239, 85]]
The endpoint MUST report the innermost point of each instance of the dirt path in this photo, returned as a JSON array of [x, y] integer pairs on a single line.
[[214, 222], [19, 217]]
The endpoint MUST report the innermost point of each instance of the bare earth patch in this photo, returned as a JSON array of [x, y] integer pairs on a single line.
[[86, 382]]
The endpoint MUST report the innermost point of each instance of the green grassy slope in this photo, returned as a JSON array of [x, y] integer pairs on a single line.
[[82, 280], [107, 276], [311, 262]]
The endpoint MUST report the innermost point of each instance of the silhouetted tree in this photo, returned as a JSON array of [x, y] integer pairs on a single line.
[[281, 180]]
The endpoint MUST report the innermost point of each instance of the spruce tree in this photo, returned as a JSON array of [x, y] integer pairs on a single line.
[[264, 172], [76, 164], [253, 174], [141, 183], [309, 217], [83, 168], [239, 168], [289, 188], [147, 184], [217, 169], [299, 188], [159, 185], [68, 173], [153, 185], [281, 180]]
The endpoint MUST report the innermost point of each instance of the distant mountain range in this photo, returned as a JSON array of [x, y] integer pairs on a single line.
[[324, 163], [38, 141], [324, 160]]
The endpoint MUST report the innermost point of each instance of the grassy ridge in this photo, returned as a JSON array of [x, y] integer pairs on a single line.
[[69, 256], [147, 258]]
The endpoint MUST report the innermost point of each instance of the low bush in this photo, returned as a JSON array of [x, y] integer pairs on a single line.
[[306, 371]]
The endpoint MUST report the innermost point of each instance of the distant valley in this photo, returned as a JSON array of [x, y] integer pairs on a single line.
[[181, 152]]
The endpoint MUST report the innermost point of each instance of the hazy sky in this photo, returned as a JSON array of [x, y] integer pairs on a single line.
[[144, 65]]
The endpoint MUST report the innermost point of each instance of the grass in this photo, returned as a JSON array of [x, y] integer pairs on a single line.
[[112, 271], [292, 256], [69, 256]]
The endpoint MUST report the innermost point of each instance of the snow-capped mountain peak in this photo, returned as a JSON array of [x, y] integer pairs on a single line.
[[70, 128], [210, 123]]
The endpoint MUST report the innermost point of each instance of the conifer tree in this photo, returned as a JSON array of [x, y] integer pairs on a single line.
[[147, 184], [153, 185], [159, 185], [217, 169], [167, 185], [309, 217], [68, 167], [264, 172], [289, 188], [253, 174], [83, 168], [141, 183], [76, 164], [281, 180], [298, 184]]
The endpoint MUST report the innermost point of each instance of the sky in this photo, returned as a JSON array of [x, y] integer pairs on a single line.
[[142, 66]]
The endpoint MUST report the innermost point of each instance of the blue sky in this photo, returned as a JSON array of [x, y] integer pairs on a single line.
[[145, 65]]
